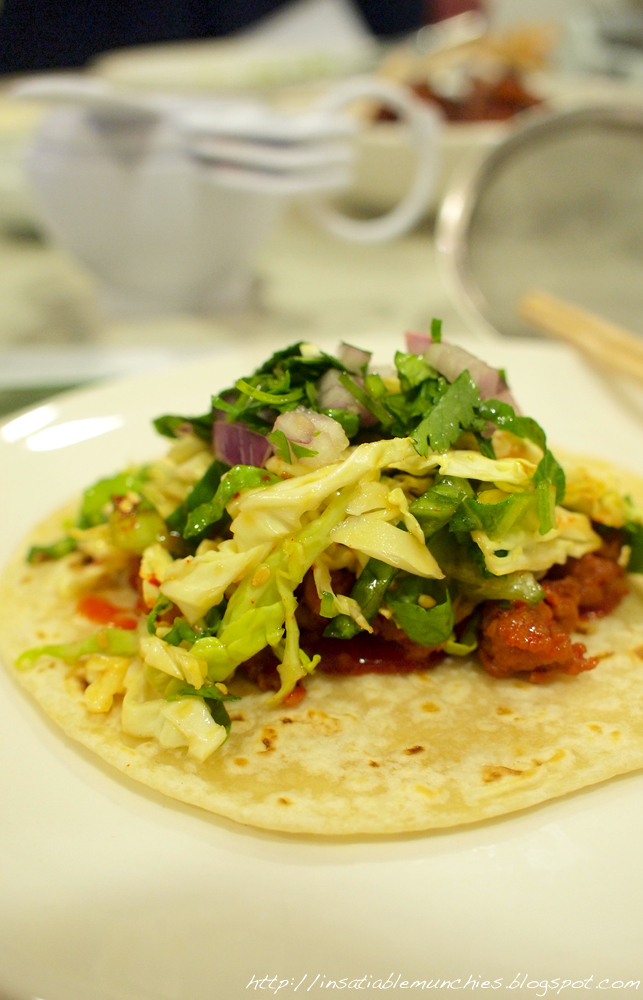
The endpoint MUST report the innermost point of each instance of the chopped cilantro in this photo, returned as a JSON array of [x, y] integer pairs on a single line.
[[286, 449]]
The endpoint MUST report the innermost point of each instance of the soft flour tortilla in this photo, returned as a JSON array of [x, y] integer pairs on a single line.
[[371, 754]]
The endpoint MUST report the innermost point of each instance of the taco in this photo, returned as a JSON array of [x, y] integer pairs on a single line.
[[346, 601]]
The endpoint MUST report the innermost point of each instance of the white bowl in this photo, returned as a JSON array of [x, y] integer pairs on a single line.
[[386, 160]]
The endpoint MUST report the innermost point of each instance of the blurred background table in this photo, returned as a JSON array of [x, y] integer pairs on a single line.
[[310, 286]]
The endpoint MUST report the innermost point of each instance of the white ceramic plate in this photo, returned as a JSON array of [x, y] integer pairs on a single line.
[[111, 892]]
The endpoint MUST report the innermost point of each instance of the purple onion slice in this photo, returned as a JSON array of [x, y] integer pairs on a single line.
[[354, 358], [451, 361], [236, 444], [317, 432], [417, 343], [332, 395]]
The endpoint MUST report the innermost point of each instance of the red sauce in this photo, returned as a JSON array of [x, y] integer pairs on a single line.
[[486, 101], [297, 694], [99, 609], [370, 654]]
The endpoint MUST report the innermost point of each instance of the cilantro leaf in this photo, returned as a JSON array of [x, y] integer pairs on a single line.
[[162, 605], [62, 547], [425, 626], [503, 416], [439, 504], [453, 413], [495, 519], [201, 493], [286, 448], [281, 445], [412, 370], [172, 426], [634, 537], [348, 420]]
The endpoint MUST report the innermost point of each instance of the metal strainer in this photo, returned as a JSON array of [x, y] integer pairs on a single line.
[[557, 206]]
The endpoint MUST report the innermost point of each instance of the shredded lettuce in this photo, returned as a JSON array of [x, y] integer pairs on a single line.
[[212, 696], [256, 613], [462, 561]]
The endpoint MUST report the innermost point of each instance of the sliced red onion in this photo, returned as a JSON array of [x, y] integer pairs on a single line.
[[315, 431], [298, 426], [332, 395], [417, 343], [505, 396], [236, 444], [353, 357], [227, 397], [451, 361]]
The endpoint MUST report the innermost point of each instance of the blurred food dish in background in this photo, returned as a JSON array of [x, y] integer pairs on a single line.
[[478, 78], [484, 78]]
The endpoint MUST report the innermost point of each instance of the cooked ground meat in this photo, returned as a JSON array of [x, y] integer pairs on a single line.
[[523, 639], [387, 651], [515, 639], [601, 581], [535, 640]]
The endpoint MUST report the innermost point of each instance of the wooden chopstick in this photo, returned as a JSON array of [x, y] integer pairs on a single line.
[[602, 342]]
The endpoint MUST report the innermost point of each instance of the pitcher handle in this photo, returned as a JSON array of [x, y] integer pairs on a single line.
[[425, 126]]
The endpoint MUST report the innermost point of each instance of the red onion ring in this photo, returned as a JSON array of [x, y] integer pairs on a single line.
[[236, 444]]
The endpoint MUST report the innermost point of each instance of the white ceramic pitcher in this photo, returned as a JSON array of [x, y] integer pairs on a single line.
[[125, 185]]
